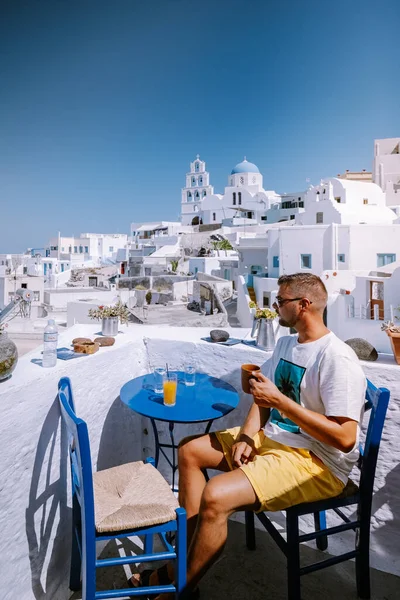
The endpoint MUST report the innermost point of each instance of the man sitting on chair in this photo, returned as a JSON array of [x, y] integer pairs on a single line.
[[299, 440]]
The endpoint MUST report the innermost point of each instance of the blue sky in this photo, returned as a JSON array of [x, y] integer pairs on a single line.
[[103, 103]]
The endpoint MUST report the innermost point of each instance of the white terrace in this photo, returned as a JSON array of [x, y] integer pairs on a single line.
[[35, 508]]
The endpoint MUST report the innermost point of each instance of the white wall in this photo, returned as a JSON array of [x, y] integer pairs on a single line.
[[243, 312], [369, 240]]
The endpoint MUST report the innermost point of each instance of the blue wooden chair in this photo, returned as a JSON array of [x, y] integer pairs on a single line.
[[128, 500], [377, 401]]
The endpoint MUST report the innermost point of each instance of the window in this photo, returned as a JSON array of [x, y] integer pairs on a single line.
[[301, 204], [193, 181], [75, 249], [87, 249], [111, 248], [24, 286], [275, 262], [292, 217], [36, 296], [365, 200], [254, 179], [239, 198], [249, 215], [305, 261], [385, 259], [197, 166], [80, 249], [338, 199], [242, 180], [189, 197], [319, 217], [200, 181], [234, 198], [25, 270], [264, 218], [266, 300], [341, 258], [70, 249], [299, 199], [204, 193], [62, 249], [214, 217]]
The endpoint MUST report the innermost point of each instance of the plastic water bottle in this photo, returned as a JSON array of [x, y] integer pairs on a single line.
[[50, 339]]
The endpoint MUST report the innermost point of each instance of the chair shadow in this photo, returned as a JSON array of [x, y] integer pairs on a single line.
[[47, 497], [119, 441]]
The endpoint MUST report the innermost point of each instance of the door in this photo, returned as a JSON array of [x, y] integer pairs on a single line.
[[376, 299], [92, 281]]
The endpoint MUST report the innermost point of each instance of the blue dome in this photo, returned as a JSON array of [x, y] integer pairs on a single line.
[[245, 167]]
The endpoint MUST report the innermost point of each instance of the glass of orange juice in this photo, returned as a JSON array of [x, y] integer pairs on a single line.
[[170, 386]]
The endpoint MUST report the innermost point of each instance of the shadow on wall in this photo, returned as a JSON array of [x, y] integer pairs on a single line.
[[48, 504], [387, 536], [121, 437]]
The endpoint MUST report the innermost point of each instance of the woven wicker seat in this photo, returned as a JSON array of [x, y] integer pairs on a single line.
[[123, 498]]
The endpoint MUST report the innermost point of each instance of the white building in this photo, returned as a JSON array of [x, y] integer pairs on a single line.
[[196, 189], [386, 169], [244, 201], [97, 247], [156, 234], [10, 283], [337, 200]]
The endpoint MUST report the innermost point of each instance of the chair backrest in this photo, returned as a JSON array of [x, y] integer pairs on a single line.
[[377, 400], [80, 459]]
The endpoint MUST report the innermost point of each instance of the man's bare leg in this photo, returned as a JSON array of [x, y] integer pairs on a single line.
[[223, 495], [196, 454]]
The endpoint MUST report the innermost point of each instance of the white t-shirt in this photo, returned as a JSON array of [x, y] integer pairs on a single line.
[[324, 376]]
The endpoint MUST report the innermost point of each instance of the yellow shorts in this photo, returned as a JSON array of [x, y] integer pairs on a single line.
[[282, 476]]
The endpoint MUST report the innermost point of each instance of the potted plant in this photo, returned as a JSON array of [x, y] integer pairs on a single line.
[[109, 316], [263, 326], [8, 354], [393, 331]]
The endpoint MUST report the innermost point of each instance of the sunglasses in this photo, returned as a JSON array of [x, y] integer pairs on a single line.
[[282, 301]]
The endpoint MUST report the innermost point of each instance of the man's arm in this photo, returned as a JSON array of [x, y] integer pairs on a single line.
[[243, 448], [339, 432]]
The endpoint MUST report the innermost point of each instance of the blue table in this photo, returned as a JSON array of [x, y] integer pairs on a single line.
[[209, 399]]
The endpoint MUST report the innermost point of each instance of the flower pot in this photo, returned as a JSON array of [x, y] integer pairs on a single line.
[[263, 331], [109, 326], [395, 343], [8, 356]]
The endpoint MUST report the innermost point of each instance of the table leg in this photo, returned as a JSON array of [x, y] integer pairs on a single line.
[[172, 446]]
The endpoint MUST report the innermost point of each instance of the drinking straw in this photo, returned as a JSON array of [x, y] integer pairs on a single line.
[[166, 364]]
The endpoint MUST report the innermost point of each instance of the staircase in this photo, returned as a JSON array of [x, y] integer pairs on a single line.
[[252, 294]]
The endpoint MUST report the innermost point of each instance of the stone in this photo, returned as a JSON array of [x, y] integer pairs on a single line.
[[363, 349], [195, 306], [105, 341], [219, 335]]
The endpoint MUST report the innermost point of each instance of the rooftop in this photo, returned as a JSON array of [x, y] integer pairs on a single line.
[[35, 500]]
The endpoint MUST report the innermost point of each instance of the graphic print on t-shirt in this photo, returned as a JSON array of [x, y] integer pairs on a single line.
[[288, 378]]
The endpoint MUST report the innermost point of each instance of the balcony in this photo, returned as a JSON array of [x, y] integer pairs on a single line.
[[35, 507]]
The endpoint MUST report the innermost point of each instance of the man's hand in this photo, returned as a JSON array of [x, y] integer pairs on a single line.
[[242, 451], [265, 392]]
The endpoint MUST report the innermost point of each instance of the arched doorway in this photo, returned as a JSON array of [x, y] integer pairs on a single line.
[[197, 221]]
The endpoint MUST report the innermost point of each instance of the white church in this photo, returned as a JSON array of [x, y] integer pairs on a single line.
[[244, 201]]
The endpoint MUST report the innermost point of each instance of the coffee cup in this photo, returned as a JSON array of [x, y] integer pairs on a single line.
[[247, 371]]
